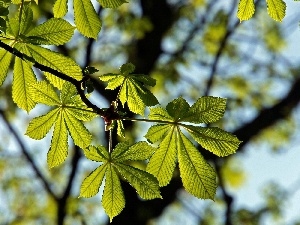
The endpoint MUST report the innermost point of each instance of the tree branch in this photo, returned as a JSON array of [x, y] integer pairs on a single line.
[[76, 83], [28, 157]]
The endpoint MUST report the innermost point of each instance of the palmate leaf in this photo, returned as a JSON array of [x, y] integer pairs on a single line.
[[86, 19], [111, 3], [53, 32], [23, 75], [132, 88], [113, 197], [276, 9], [198, 176], [65, 118], [246, 9]]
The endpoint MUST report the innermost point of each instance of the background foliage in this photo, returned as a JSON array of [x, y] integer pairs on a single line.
[[192, 48]]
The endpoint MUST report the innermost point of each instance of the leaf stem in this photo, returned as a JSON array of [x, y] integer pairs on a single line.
[[151, 121]]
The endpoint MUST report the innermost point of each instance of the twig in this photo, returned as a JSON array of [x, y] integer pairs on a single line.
[[28, 157]]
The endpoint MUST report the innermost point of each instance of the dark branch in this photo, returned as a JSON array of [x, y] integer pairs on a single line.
[[62, 201], [28, 157], [76, 83]]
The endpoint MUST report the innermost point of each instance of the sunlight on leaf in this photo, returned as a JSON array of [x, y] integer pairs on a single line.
[[91, 184], [198, 177], [276, 9], [86, 19], [113, 200], [246, 9]]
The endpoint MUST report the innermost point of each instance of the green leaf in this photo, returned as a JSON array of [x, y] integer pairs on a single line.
[[109, 76], [91, 184], [115, 82], [26, 20], [132, 88], [127, 68], [60, 8], [42, 92], [113, 200], [40, 126], [146, 184], [246, 9], [59, 144], [5, 59], [178, 108], [86, 18], [159, 113], [54, 31], [206, 109], [111, 3], [120, 148], [23, 76], [276, 9], [198, 177], [162, 163], [67, 92], [98, 154], [139, 151], [120, 129], [54, 80], [214, 139], [157, 132], [55, 61], [80, 135]]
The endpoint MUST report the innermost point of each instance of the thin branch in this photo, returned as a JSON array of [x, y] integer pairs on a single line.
[[76, 83], [62, 201], [227, 197], [28, 157], [221, 49]]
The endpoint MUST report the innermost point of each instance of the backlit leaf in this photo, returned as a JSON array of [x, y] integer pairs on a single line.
[[206, 109], [113, 200], [146, 184], [86, 19], [214, 139], [159, 113], [98, 154], [276, 9], [42, 92], [120, 129], [139, 151], [246, 9], [54, 31], [60, 8], [111, 3], [55, 61], [59, 144], [80, 135], [23, 76], [157, 132], [162, 163], [91, 184], [198, 177], [40, 126], [5, 59]]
